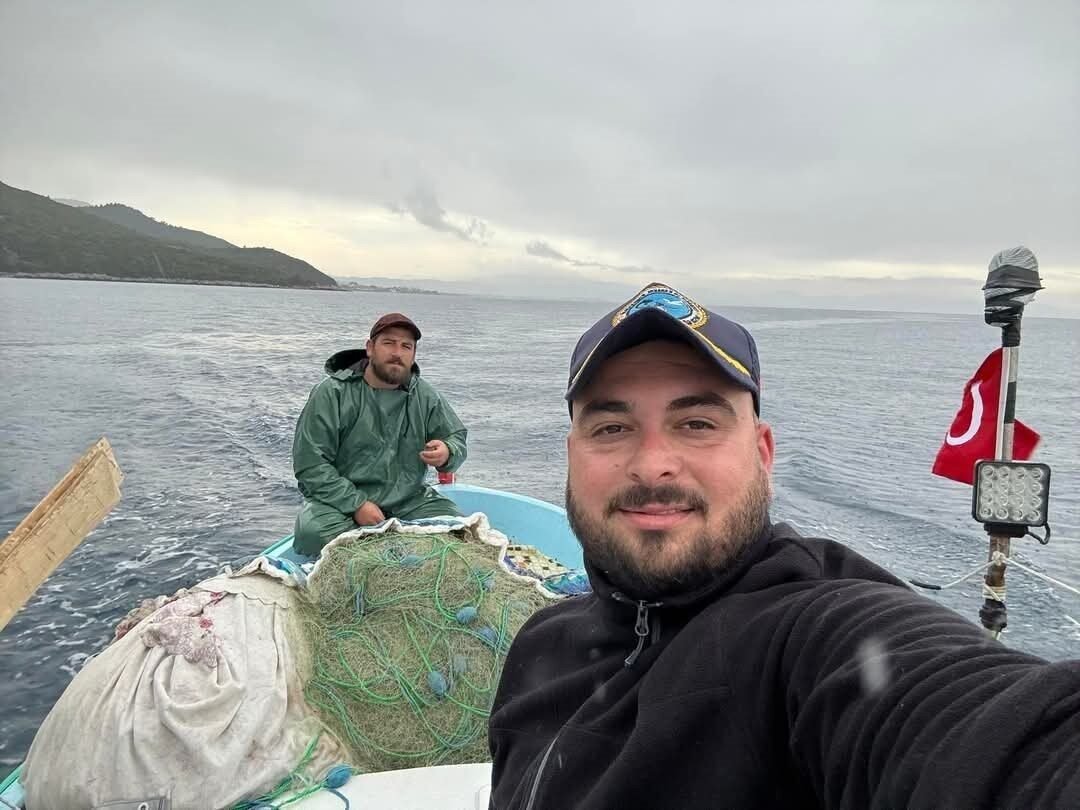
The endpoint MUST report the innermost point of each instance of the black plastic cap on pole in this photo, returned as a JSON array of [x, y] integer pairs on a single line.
[[1010, 285]]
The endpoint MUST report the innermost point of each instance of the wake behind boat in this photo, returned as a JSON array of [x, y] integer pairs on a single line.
[[1009, 498]]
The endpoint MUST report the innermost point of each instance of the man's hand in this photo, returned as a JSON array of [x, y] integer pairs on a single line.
[[435, 453], [368, 514]]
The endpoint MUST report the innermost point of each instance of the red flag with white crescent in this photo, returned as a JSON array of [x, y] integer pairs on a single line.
[[973, 434]]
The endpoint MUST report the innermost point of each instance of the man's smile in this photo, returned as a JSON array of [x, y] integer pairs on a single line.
[[657, 516]]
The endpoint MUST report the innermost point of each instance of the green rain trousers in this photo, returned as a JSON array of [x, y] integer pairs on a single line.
[[355, 443]]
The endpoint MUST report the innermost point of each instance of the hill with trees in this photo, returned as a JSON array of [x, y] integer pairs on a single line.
[[136, 220], [44, 238]]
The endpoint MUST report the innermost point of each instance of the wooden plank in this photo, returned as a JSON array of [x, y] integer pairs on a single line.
[[52, 530]]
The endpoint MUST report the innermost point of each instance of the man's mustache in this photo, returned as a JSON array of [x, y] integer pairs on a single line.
[[640, 495]]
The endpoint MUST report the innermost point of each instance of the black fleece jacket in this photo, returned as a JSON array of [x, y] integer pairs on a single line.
[[806, 677]]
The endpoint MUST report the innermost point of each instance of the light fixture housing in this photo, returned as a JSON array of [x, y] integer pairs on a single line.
[[1011, 494]]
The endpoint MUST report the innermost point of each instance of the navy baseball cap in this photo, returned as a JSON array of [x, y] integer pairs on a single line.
[[661, 312]]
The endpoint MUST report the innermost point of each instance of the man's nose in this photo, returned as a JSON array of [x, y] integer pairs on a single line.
[[656, 459]]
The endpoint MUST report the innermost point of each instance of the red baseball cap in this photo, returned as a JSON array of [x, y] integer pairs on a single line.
[[394, 319]]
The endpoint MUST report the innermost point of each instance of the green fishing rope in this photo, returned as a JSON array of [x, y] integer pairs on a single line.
[[297, 780], [408, 635]]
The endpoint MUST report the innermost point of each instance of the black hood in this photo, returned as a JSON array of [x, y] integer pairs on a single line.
[[354, 360]]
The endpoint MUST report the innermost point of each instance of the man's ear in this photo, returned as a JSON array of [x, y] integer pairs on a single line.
[[369, 346], [765, 446]]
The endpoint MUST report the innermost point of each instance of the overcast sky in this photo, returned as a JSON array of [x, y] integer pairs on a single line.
[[853, 153]]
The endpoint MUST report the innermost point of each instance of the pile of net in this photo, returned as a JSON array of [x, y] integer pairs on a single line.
[[408, 635], [262, 685], [197, 703]]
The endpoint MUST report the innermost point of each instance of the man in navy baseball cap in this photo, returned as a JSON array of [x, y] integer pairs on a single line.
[[660, 312], [721, 659], [668, 460]]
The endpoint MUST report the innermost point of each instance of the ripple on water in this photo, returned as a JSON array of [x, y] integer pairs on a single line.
[[199, 390]]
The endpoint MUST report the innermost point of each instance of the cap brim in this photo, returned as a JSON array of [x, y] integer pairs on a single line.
[[643, 326]]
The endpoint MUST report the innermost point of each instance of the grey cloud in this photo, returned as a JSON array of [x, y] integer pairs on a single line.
[[765, 134], [423, 206], [542, 250]]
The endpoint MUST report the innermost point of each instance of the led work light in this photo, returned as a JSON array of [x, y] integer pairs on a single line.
[[1011, 493]]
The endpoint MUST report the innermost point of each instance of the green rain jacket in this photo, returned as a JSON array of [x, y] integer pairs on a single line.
[[355, 443]]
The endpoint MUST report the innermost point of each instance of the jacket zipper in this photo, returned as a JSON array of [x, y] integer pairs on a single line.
[[408, 394], [642, 627], [540, 772]]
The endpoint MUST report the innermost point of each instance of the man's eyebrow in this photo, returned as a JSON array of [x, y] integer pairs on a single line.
[[708, 399], [605, 406]]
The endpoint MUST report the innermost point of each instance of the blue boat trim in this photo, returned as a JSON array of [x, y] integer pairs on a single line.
[[11, 791], [522, 519]]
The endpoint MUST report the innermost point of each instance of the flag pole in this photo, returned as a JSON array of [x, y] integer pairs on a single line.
[[1011, 284]]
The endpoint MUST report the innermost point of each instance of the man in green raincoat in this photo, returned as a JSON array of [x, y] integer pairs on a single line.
[[366, 437]]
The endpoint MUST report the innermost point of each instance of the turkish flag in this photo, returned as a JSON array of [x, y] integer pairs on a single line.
[[973, 434]]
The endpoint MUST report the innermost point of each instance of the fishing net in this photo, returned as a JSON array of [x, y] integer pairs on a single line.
[[407, 634], [259, 686]]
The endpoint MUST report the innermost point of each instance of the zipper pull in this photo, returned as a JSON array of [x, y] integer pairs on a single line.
[[641, 624], [641, 630]]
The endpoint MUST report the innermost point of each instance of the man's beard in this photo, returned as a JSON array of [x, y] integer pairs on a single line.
[[636, 565], [389, 373]]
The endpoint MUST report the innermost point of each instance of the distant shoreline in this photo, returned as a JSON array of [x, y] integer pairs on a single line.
[[826, 311], [210, 283], [353, 287]]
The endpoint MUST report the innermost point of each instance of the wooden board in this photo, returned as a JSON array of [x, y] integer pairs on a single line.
[[53, 529]]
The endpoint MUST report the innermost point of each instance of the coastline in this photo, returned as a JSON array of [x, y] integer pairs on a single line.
[[212, 283], [150, 280]]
